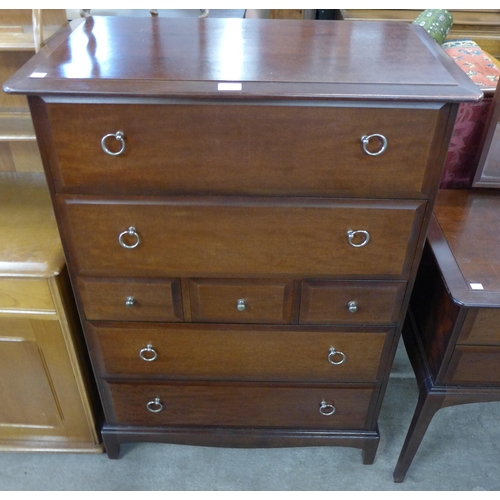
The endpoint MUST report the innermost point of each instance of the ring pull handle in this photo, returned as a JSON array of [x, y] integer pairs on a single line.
[[155, 406], [336, 354], [326, 409], [365, 140], [241, 304], [120, 137], [352, 235], [148, 353], [132, 233]]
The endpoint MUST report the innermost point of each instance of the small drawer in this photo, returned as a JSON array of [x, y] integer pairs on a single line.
[[237, 352], [474, 365], [241, 301], [240, 405], [131, 299], [351, 302], [20, 295], [485, 329]]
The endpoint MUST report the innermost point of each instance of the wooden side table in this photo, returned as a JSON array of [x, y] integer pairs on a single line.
[[452, 329], [46, 394]]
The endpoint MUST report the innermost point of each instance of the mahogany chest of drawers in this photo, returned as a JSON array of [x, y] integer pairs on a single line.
[[243, 205]]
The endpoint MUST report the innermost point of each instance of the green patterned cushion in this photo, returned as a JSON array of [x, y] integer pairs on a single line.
[[437, 22]]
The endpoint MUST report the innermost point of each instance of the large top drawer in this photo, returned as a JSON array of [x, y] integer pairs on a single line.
[[241, 149]]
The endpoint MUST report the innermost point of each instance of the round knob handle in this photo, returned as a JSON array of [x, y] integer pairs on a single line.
[[155, 406], [241, 304], [148, 353], [120, 137], [336, 357], [351, 235], [129, 238], [130, 302], [365, 140], [352, 306], [326, 409]]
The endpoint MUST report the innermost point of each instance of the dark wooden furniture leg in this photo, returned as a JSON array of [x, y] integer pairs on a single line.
[[427, 406]]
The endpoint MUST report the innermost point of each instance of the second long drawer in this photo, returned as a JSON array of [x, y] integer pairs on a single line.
[[237, 352], [238, 237]]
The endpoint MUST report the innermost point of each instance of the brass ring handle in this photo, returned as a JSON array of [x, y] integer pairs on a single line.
[[155, 406], [332, 353], [148, 353], [129, 232], [365, 140], [351, 235], [326, 409], [120, 137]]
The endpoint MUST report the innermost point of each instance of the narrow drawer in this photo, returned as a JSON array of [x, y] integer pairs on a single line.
[[231, 149], [241, 237], [131, 300], [351, 302], [237, 352], [247, 405], [485, 329], [20, 295], [474, 365], [238, 301]]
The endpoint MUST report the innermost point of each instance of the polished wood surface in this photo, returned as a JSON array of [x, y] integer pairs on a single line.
[[237, 352], [131, 300], [372, 302], [452, 333], [260, 301], [183, 57], [240, 149], [469, 220], [481, 25], [48, 398], [250, 191], [241, 405], [33, 247], [259, 237]]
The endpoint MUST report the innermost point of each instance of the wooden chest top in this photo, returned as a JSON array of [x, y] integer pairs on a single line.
[[250, 57]]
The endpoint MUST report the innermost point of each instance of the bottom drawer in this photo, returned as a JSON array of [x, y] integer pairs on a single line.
[[473, 365], [245, 405]]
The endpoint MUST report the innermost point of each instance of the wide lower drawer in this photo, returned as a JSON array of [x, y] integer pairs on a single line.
[[243, 149], [237, 352], [131, 300], [240, 237], [239, 405], [241, 301], [473, 365], [351, 302]]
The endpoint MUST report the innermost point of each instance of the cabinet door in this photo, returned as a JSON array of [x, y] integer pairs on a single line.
[[37, 388]]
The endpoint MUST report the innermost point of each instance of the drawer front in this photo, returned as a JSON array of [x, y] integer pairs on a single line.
[[18, 295], [473, 365], [485, 328], [236, 301], [246, 405], [351, 302], [243, 149], [131, 300], [237, 352], [205, 237]]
